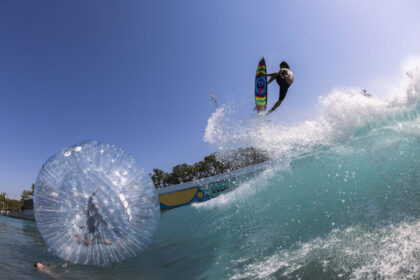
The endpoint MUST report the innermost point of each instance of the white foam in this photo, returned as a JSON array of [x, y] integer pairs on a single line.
[[389, 252], [341, 113], [244, 191], [213, 124]]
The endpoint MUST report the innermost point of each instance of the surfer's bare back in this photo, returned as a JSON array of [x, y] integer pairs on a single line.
[[285, 79]]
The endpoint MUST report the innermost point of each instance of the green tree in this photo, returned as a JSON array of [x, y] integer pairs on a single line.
[[158, 177], [26, 193], [211, 165], [3, 201], [183, 173], [14, 205]]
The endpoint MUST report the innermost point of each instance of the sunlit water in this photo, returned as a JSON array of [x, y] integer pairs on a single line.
[[341, 201]]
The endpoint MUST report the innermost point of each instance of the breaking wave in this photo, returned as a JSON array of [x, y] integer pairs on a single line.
[[341, 200]]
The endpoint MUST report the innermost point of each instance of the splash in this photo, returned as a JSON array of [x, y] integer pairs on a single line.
[[341, 200], [245, 191], [342, 115], [387, 253]]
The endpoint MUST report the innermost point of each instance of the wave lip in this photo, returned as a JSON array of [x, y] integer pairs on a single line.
[[343, 114]]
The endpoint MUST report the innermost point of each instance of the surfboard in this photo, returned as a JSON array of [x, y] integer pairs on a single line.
[[261, 87]]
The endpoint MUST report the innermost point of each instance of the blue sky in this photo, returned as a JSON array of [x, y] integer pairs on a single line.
[[138, 73]]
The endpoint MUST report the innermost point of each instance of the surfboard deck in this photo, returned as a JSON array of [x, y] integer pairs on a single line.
[[261, 87]]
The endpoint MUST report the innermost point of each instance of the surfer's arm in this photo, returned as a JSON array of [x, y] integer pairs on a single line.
[[271, 79], [272, 76]]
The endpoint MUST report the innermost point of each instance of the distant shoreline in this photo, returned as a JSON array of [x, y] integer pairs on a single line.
[[21, 214]]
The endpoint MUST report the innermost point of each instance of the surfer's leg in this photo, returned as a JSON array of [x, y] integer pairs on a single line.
[[284, 87], [275, 106]]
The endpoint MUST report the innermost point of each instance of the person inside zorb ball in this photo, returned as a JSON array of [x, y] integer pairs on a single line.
[[94, 204]]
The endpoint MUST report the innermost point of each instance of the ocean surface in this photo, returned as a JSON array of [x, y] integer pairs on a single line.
[[340, 201]]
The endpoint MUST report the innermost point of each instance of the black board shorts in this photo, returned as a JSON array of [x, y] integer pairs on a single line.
[[284, 87]]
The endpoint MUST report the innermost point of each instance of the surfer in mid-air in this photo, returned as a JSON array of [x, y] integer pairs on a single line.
[[285, 79]]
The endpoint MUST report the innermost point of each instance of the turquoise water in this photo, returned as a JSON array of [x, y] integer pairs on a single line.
[[341, 202], [344, 213]]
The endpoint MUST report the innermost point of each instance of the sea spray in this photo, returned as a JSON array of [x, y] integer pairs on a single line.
[[342, 114], [341, 199]]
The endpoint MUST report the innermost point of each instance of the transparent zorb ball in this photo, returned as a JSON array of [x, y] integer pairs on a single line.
[[94, 204]]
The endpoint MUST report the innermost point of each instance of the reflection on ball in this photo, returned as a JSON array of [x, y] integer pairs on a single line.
[[95, 205]]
